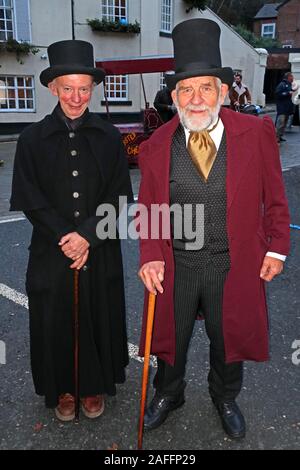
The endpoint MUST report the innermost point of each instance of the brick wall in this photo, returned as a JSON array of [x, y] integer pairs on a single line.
[[288, 23]]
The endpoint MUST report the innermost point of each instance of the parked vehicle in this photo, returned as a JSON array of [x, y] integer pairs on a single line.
[[249, 109], [135, 133]]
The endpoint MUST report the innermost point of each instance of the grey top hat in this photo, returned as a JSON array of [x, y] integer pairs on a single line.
[[197, 52], [71, 57]]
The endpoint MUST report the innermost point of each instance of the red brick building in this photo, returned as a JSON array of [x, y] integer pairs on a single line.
[[279, 21]]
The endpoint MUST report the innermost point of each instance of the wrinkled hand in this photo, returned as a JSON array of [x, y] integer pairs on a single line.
[[73, 245], [271, 267], [80, 262], [152, 275]]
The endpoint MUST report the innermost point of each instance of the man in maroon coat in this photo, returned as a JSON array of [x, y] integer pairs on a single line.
[[227, 164]]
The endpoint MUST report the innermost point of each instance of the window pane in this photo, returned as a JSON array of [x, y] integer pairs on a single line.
[[166, 15], [11, 93], [116, 87], [10, 81], [28, 81], [14, 96], [114, 10]]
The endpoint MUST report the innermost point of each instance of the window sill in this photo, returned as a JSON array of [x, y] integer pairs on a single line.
[[2, 110], [117, 103], [163, 34]]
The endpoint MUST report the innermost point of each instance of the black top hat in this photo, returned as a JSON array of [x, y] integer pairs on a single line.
[[71, 57], [197, 52]]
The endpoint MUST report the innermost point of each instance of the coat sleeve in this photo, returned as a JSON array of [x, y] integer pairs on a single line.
[[49, 223], [248, 95], [276, 213], [28, 196], [26, 191], [150, 249], [232, 96], [119, 185]]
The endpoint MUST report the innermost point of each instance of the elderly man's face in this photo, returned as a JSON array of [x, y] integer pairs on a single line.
[[198, 101], [74, 93]]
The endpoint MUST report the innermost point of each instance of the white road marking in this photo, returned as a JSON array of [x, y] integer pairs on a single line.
[[14, 296], [21, 299], [6, 220]]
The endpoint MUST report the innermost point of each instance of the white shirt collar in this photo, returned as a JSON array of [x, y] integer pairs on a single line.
[[216, 134]]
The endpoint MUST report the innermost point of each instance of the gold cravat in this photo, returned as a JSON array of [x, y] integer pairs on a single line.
[[203, 151]]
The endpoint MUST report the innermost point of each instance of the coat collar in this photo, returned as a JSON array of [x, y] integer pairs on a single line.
[[53, 124]]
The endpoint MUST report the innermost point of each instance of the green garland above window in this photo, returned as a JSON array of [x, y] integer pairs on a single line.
[[19, 48], [114, 26], [199, 4]]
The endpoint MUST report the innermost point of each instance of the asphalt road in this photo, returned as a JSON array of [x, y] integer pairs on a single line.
[[270, 395]]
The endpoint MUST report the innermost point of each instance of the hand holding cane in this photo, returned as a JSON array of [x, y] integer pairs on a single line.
[[149, 328]]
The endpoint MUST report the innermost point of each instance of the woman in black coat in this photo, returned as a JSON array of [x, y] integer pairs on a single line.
[[66, 166]]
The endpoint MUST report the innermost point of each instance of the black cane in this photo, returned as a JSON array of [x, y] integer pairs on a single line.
[[76, 341]]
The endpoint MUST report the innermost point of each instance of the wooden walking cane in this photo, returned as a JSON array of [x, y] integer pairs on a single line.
[[149, 328], [76, 341]]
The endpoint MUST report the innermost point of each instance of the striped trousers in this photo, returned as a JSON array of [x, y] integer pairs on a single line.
[[194, 290]]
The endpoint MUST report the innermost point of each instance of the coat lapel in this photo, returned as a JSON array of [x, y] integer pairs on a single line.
[[238, 151], [161, 156]]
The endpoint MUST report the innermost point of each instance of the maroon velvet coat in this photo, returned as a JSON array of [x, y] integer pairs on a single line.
[[257, 222]]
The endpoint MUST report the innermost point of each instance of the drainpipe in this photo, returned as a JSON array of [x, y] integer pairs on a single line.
[[72, 16]]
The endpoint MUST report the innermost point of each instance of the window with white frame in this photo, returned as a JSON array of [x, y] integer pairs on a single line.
[[114, 10], [166, 25], [116, 87], [268, 30], [162, 81], [6, 20], [17, 94]]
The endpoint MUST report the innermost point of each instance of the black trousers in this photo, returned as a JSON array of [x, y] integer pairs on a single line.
[[196, 288]]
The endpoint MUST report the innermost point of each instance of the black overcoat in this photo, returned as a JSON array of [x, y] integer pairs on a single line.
[[42, 185]]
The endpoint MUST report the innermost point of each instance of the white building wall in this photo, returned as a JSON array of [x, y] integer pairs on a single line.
[[52, 23]]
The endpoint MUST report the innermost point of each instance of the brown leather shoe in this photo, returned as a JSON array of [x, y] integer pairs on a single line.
[[93, 407], [65, 410]]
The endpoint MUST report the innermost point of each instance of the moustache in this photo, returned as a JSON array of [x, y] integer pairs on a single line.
[[191, 107]]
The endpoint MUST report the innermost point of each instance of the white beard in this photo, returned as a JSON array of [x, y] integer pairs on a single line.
[[196, 123]]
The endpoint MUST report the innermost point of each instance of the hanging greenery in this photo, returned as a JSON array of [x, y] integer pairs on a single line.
[[19, 48], [114, 26], [199, 4]]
